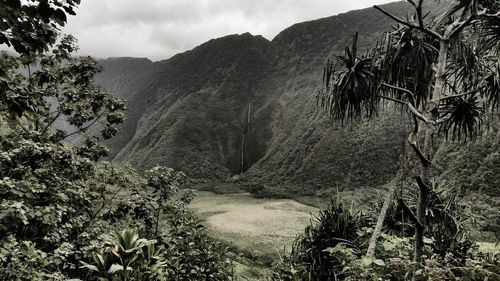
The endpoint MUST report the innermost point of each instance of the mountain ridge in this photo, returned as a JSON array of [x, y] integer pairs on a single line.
[[242, 104]]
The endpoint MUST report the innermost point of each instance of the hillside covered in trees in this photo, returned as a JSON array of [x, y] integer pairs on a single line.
[[98, 158], [245, 105]]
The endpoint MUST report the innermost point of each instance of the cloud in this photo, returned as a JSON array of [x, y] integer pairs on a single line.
[[158, 29]]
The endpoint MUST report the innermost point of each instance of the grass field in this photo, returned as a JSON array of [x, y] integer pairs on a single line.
[[259, 230], [262, 224]]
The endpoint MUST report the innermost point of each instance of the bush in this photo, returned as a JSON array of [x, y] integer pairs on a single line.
[[310, 258], [333, 248]]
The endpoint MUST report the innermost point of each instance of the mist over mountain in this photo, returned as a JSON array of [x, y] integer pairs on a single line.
[[241, 104]]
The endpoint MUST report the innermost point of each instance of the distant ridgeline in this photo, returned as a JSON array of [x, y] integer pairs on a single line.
[[243, 104]]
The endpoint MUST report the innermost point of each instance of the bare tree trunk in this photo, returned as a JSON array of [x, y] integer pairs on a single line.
[[380, 220], [424, 188], [423, 181], [389, 198]]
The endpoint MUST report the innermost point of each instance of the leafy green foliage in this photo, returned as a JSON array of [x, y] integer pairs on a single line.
[[32, 26], [57, 204], [449, 251], [128, 258], [176, 246], [311, 253], [450, 221], [62, 88]]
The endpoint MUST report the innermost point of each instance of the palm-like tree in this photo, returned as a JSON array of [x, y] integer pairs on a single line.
[[441, 72], [352, 91]]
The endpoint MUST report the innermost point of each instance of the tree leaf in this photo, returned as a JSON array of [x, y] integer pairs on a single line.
[[60, 17], [115, 268], [45, 10], [89, 266]]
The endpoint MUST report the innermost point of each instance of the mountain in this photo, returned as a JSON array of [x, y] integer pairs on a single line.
[[241, 104], [193, 115], [134, 79]]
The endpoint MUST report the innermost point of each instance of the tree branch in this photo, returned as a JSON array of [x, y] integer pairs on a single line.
[[484, 14], [412, 3], [419, 14], [410, 213], [459, 26], [21, 125], [412, 109], [416, 129], [426, 162], [409, 24], [51, 122], [422, 185], [46, 115], [394, 100], [410, 93], [458, 95], [418, 114]]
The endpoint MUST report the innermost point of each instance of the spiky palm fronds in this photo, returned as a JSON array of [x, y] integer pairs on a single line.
[[448, 218], [407, 62], [463, 118], [492, 88], [349, 86], [466, 63], [333, 226], [490, 30]]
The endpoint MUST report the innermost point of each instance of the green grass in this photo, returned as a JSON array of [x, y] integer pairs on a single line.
[[257, 230], [489, 247], [264, 226]]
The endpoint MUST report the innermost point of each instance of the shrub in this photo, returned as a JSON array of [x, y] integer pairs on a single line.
[[310, 258]]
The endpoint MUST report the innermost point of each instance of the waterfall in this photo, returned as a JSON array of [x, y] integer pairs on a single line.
[[242, 164], [244, 137]]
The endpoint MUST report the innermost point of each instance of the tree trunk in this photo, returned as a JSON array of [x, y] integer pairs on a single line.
[[431, 112], [423, 194], [389, 198], [381, 218]]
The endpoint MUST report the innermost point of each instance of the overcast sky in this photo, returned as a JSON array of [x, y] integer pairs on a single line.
[[158, 29]]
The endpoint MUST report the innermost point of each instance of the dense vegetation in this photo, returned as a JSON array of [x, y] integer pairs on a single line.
[[333, 247], [64, 216], [443, 73]]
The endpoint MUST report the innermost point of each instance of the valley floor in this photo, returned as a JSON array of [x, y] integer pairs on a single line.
[[266, 224], [257, 229]]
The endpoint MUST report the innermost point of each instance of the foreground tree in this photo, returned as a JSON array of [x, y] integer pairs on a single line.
[[441, 71], [57, 204]]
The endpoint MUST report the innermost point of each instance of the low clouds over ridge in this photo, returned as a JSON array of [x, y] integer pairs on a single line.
[[159, 29]]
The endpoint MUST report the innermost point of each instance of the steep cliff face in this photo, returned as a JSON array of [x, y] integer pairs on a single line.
[[126, 76], [306, 150], [197, 114], [134, 79], [243, 104]]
